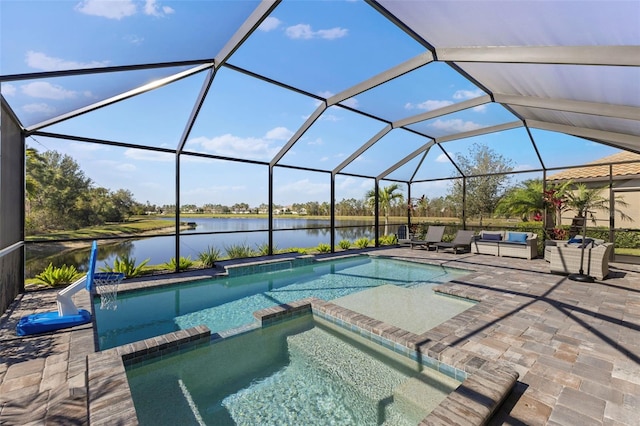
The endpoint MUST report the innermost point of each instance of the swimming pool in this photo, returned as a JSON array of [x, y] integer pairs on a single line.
[[229, 302], [303, 371]]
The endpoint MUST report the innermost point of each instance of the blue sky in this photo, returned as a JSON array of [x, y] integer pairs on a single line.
[[319, 47]]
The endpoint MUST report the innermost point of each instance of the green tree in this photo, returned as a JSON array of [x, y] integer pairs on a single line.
[[56, 187], [387, 198], [487, 180]]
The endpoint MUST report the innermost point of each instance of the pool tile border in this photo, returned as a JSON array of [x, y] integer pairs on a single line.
[[484, 384], [108, 394]]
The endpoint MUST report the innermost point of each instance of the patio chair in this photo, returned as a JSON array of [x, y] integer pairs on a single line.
[[434, 235], [403, 235], [461, 241]]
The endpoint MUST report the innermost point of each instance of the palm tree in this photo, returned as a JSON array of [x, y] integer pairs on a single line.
[[524, 201], [584, 200], [386, 197]]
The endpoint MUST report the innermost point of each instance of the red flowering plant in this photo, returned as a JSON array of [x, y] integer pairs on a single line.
[[558, 234], [556, 200]]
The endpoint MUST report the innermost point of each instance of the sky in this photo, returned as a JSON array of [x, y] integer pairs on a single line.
[[320, 47]]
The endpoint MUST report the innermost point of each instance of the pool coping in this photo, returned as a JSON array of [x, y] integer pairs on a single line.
[[485, 384]]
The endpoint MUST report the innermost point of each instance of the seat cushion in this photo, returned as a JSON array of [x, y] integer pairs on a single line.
[[517, 237]]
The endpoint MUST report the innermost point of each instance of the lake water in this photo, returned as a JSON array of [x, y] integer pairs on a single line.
[[214, 232]]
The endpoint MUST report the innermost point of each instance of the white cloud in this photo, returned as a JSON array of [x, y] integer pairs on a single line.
[[269, 24], [151, 8], [305, 32], [522, 167], [323, 159], [125, 167], [8, 89], [480, 108], [317, 141], [133, 39], [326, 94], [279, 133], [467, 94], [42, 61], [428, 105], [143, 155], [303, 186], [234, 146], [87, 147], [332, 33], [44, 90], [442, 158], [110, 9], [329, 117], [351, 102], [118, 9], [41, 108], [455, 125]]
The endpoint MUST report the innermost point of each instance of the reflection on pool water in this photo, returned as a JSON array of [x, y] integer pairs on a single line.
[[229, 302], [304, 371]]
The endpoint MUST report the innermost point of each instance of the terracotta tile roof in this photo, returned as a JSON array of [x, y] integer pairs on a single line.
[[628, 169]]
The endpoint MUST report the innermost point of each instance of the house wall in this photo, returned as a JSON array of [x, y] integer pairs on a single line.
[[626, 190]]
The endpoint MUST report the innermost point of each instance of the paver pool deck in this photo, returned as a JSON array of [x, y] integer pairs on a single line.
[[576, 346]]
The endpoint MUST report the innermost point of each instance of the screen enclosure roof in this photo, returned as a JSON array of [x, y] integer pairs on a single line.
[[384, 89]]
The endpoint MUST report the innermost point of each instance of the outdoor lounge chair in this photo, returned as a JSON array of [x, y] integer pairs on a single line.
[[434, 235], [461, 241], [403, 235]]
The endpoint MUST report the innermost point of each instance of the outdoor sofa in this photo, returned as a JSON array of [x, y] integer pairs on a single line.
[[564, 257], [506, 244]]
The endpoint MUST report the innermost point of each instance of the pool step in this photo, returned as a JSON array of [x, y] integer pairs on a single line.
[[419, 395], [367, 375]]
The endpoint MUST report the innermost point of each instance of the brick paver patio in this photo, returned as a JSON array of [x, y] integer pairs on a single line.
[[575, 345]]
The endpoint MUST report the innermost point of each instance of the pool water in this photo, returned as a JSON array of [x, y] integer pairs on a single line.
[[226, 303], [300, 372]]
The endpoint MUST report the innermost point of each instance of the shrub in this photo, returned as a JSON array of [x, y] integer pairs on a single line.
[[126, 265], [362, 242], [236, 251], [263, 249], [54, 276], [324, 248], [209, 256], [344, 244], [183, 263], [388, 240]]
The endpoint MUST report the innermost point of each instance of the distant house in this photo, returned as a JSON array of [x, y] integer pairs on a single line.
[[625, 179]]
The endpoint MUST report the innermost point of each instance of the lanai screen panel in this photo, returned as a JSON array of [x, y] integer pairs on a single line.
[[513, 146], [37, 100], [156, 118], [247, 118], [587, 121], [386, 152], [520, 23], [67, 35], [424, 89], [436, 165], [587, 83], [467, 120], [324, 47], [558, 149], [336, 135]]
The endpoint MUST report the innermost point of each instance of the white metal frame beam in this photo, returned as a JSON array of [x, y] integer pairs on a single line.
[[570, 55]]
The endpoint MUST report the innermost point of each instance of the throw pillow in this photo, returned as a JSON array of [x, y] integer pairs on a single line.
[[517, 237], [492, 237]]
